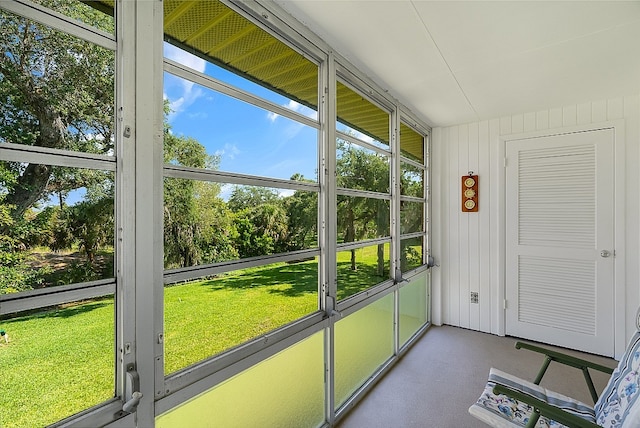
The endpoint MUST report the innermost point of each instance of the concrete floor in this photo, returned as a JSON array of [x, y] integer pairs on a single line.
[[434, 384]]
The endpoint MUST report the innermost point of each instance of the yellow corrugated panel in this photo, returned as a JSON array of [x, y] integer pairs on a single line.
[[411, 143], [359, 113], [226, 38]]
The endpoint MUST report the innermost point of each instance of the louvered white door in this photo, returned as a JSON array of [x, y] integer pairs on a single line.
[[560, 240]]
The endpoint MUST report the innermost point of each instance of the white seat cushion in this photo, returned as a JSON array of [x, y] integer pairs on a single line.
[[505, 412]]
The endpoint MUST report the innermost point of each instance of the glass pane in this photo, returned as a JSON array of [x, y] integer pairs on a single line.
[[411, 144], [411, 217], [413, 307], [239, 81], [57, 91], [214, 131], [93, 13], [207, 222], [233, 42], [411, 251], [360, 118], [56, 362], [411, 181], [360, 168], [361, 269], [286, 390], [362, 218], [363, 342], [56, 226], [232, 308]]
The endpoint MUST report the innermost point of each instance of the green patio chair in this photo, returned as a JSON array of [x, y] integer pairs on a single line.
[[508, 401]]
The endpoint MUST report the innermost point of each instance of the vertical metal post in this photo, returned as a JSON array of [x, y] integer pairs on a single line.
[[148, 137], [125, 191], [328, 220], [426, 242], [395, 265]]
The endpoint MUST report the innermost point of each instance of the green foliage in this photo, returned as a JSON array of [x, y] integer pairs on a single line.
[[15, 274], [262, 230], [411, 181], [362, 218], [198, 227], [249, 196], [81, 271], [56, 91], [91, 225], [302, 213]]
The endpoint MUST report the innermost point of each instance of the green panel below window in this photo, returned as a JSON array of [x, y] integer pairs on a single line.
[[413, 307], [363, 342], [286, 390]]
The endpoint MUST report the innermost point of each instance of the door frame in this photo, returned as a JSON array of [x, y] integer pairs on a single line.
[[618, 127]]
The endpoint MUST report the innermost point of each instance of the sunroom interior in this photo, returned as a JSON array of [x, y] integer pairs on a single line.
[[230, 213]]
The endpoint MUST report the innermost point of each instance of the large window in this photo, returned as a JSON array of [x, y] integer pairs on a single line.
[[58, 171], [363, 178], [251, 236], [413, 199], [240, 199]]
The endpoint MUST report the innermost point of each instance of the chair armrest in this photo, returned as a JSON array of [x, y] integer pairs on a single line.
[[545, 409], [568, 360]]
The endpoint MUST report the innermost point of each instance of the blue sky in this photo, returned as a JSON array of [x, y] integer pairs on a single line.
[[248, 139]]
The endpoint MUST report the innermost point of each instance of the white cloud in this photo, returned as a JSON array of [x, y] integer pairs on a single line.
[[226, 190], [293, 105], [272, 116], [183, 57], [283, 193], [360, 136], [187, 92], [230, 151], [297, 107]]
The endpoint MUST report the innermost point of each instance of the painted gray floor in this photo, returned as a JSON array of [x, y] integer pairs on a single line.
[[434, 384]]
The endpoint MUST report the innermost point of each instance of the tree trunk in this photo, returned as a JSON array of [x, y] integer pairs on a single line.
[[350, 236], [32, 184], [30, 187], [380, 259], [353, 260]]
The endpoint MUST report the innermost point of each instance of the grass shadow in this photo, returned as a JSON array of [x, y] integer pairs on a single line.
[[61, 311], [352, 282], [303, 278]]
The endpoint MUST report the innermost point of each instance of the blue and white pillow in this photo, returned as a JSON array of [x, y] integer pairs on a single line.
[[619, 404]]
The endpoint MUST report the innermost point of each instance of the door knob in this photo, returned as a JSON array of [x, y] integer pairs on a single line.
[[605, 253]]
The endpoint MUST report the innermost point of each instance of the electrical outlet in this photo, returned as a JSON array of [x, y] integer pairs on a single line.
[[474, 297]]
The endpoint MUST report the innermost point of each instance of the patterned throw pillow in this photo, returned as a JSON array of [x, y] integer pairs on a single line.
[[618, 405]]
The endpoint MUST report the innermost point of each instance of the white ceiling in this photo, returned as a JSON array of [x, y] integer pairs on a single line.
[[454, 62]]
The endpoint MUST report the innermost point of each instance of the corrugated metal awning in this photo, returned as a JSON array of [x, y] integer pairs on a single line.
[[220, 35]]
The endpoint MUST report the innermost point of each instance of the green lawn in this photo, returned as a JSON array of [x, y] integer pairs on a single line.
[[60, 361]]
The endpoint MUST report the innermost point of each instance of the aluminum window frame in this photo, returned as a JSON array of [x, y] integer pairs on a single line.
[[141, 303], [216, 368], [108, 410]]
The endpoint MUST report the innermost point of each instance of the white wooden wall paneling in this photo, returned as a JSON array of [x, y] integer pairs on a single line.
[[474, 232], [497, 220], [454, 231], [484, 227], [437, 241], [632, 226], [542, 120], [465, 261], [469, 247]]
